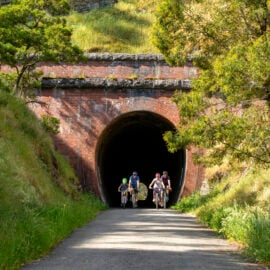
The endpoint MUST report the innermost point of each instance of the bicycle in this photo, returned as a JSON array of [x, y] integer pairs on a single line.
[[133, 198], [124, 198], [123, 188], [165, 198], [157, 196]]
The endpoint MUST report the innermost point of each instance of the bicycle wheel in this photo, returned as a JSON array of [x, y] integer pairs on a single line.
[[133, 200], [164, 199], [124, 200], [156, 199]]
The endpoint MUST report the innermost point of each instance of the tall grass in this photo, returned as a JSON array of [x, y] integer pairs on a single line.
[[39, 200], [125, 27], [251, 227], [239, 212], [29, 232]]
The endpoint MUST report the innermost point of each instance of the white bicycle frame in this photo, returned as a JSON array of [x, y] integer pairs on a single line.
[[158, 195]]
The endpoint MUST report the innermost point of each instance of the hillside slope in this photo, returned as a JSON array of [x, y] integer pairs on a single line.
[[237, 206], [123, 28], [39, 200]]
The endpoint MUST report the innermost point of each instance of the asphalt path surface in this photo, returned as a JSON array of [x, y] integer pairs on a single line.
[[127, 239]]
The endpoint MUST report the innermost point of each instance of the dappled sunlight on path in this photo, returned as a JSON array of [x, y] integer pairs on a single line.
[[144, 239]]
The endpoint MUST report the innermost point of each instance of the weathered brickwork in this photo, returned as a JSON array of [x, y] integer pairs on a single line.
[[84, 114], [87, 97], [81, 5], [120, 66], [117, 66], [86, 5], [4, 2]]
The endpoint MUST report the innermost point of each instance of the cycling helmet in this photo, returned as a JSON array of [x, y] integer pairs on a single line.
[[165, 172], [124, 180], [135, 173]]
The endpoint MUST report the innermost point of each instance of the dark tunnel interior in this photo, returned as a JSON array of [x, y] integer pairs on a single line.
[[133, 142]]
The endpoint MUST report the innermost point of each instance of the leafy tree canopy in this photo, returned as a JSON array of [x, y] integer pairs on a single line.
[[32, 31], [227, 111]]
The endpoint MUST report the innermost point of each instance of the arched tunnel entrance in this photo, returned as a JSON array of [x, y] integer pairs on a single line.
[[133, 142]]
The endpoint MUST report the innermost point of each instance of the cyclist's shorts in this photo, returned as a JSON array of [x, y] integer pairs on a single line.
[[156, 189], [135, 190]]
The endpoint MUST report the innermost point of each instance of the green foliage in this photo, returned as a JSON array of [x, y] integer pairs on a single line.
[[258, 241], [39, 199], [29, 33], [214, 218], [166, 29], [7, 81], [190, 203], [243, 136], [249, 226], [227, 111], [205, 29], [50, 123], [235, 224], [123, 27], [34, 160], [237, 208], [30, 232]]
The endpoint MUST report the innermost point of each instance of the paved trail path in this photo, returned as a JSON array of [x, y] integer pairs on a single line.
[[143, 239]]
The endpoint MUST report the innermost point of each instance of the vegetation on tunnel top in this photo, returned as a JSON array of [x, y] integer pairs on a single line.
[[123, 27]]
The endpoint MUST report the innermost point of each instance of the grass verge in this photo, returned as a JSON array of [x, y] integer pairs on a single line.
[[237, 208], [39, 200]]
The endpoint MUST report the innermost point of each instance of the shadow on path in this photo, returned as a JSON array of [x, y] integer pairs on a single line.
[[143, 239]]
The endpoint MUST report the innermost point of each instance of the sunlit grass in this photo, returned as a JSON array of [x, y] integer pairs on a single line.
[[39, 200], [125, 28], [238, 208], [30, 231]]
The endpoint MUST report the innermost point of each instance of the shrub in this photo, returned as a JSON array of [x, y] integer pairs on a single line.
[[50, 123], [258, 235]]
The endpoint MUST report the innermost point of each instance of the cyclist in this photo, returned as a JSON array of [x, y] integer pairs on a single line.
[[134, 185], [123, 188], [167, 182], [157, 183]]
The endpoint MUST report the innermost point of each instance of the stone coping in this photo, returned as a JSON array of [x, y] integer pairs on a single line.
[[124, 57], [88, 83]]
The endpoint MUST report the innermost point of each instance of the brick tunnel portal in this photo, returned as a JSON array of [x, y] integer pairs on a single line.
[[134, 142]]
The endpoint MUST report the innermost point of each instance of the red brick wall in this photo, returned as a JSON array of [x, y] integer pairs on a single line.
[[85, 113], [117, 66], [105, 69]]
